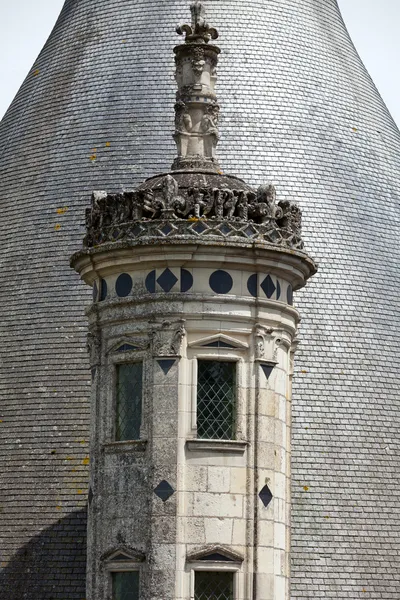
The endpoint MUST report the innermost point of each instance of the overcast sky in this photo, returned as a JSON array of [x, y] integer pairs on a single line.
[[373, 25]]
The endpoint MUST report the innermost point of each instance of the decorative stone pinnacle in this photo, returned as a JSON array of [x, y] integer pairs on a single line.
[[197, 112], [199, 32]]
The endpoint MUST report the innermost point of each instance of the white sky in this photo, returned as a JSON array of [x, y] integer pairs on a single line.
[[373, 25]]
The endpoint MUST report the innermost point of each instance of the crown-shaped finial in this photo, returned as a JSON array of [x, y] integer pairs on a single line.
[[199, 32]]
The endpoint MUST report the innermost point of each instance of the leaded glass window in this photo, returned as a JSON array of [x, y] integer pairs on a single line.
[[216, 400], [125, 586], [213, 585], [129, 401]]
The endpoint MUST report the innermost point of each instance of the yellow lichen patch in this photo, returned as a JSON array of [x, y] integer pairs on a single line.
[[36, 72], [58, 507], [74, 470], [305, 488], [1, 421], [93, 157], [80, 491], [304, 371], [86, 460], [364, 591], [62, 211], [57, 227], [326, 517], [354, 129], [83, 441], [69, 458], [108, 144]]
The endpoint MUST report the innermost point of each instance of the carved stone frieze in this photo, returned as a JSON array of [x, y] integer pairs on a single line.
[[170, 211]]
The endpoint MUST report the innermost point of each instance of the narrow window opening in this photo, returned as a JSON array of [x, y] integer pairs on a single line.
[[213, 585], [129, 401], [216, 400], [125, 586]]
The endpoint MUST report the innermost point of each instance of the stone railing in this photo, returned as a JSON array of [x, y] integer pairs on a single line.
[[170, 212]]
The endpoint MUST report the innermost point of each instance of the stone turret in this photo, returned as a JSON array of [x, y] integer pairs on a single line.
[[192, 333]]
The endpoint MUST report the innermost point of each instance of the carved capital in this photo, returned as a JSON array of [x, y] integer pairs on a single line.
[[166, 338]]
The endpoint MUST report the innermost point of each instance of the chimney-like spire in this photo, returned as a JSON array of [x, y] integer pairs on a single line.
[[197, 110]]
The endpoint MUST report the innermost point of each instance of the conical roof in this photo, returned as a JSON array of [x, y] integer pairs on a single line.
[[299, 109]]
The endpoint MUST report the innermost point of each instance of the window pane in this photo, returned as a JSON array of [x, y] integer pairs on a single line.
[[129, 401], [125, 586], [216, 400], [211, 585]]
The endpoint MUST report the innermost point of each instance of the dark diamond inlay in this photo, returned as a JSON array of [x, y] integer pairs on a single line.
[[265, 495], [103, 290], [290, 295], [268, 286], [221, 282], [137, 230], [123, 286], [166, 365], [166, 229], [252, 285], [150, 282], [267, 369], [249, 231], [199, 227], [186, 280], [164, 490], [167, 280], [225, 229]]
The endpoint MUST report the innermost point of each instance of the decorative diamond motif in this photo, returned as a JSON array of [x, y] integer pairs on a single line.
[[166, 365], [225, 229], [125, 585], [216, 400], [167, 280], [164, 490], [267, 369], [249, 231], [166, 229], [268, 286], [129, 401], [265, 495], [199, 227], [213, 585], [137, 230]]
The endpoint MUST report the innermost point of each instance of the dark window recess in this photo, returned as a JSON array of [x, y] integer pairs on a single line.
[[125, 586], [218, 344], [213, 585], [129, 401], [216, 400]]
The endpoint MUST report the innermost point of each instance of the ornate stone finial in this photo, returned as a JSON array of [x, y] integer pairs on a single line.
[[199, 32], [197, 112]]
